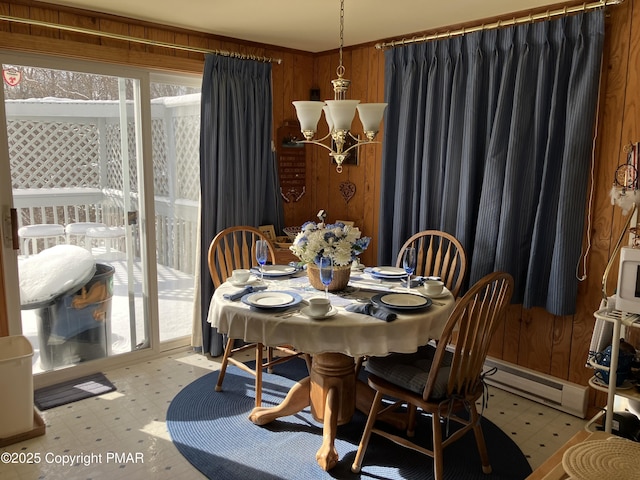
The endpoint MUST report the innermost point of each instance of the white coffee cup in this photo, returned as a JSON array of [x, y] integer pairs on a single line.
[[319, 306], [241, 275], [433, 287]]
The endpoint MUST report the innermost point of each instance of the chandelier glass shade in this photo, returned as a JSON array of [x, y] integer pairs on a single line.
[[339, 114]]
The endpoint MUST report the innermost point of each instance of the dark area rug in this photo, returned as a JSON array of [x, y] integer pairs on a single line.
[[212, 431], [72, 391]]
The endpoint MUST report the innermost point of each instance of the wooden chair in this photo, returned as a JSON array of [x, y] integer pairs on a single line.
[[231, 249], [438, 254], [444, 379]]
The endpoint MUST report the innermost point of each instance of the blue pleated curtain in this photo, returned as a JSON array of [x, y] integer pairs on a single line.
[[488, 136], [238, 173]]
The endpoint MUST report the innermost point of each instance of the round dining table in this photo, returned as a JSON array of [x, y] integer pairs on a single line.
[[335, 343]]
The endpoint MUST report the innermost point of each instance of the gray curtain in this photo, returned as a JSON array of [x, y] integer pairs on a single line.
[[238, 174], [488, 136]]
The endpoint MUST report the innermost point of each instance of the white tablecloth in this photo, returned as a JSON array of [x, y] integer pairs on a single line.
[[346, 332]]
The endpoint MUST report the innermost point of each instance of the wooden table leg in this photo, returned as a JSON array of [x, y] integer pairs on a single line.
[[296, 400], [330, 391], [327, 455], [333, 390]]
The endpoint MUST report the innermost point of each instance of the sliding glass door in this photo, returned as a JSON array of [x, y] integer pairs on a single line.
[[175, 134], [103, 168]]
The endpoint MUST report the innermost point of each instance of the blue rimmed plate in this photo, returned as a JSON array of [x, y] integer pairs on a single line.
[[274, 271], [387, 272], [401, 301], [269, 300]]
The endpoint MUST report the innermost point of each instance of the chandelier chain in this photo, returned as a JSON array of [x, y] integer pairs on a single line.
[[339, 114], [340, 69]]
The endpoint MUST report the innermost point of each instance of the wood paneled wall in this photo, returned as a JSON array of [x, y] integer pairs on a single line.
[[532, 338], [365, 68], [4, 314]]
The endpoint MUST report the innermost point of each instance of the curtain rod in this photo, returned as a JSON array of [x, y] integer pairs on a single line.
[[501, 23], [127, 38]]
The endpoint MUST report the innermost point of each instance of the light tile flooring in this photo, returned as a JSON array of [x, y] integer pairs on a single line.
[[83, 439]]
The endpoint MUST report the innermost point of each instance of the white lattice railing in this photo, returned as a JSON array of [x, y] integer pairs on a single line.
[[176, 222], [66, 167]]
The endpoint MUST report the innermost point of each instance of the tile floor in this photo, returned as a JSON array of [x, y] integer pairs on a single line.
[[131, 421]]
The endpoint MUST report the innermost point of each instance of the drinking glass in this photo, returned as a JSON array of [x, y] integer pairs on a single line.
[[262, 250], [409, 264], [326, 273]]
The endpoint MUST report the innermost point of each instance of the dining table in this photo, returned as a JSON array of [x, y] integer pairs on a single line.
[[375, 315]]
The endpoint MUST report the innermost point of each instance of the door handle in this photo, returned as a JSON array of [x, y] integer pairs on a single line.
[[10, 229]]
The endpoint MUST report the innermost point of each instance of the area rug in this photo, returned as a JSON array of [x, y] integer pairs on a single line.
[[212, 431], [72, 391]]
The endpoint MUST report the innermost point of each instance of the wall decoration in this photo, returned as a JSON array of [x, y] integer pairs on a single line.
[[291, 162], [347, 190]]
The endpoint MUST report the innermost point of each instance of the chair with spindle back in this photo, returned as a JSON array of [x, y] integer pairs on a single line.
[[231, 249], [439, 254], [441, 379]]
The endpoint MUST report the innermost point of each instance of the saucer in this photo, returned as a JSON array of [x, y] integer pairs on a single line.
[[443, 293], [330, 313], [251, 281]]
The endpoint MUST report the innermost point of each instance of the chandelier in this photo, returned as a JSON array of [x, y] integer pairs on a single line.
[[339, 114]]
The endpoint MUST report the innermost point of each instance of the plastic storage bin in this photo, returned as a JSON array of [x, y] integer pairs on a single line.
[[16, 394], [77, 326]]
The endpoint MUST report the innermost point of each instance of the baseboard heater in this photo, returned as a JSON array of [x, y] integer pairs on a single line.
[[551, 391]]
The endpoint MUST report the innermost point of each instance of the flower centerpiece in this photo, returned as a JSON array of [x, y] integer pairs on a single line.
[[340, 243]]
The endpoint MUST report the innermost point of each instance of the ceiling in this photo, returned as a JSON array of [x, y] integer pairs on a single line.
[[307, 25]]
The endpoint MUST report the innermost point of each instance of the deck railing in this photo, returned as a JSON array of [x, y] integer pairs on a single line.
[[175, 221], [66, 167]]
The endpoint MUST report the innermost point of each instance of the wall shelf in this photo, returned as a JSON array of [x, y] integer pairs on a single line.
[[619, 320]]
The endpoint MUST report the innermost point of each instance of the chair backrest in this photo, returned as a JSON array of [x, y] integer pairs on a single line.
[[234, 248], [470, 327], [438, 254]]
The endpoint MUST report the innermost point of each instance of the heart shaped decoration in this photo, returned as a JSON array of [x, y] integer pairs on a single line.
[[347, 190]]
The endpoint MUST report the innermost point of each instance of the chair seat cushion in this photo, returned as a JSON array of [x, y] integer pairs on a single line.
[[41, 230], [411, 371], [105, 232], [80, 228]]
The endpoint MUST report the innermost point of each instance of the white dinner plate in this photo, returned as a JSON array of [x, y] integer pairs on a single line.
[[330, 313], [269, 299], [275, 270], [401, 301], [388, 272]]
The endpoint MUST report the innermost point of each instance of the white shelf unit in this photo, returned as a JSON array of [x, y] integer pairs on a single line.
[[620, 320]]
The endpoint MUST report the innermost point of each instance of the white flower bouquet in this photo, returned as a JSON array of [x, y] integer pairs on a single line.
[[341, 243]]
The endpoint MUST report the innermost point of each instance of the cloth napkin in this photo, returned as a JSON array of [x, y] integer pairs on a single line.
[[241, 293], [372, 310]]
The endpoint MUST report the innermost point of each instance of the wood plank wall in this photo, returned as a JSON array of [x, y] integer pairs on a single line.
[[531, 338], [365, 68], [4, 314]]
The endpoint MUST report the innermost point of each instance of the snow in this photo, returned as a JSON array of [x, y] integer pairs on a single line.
[[52, 272]]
